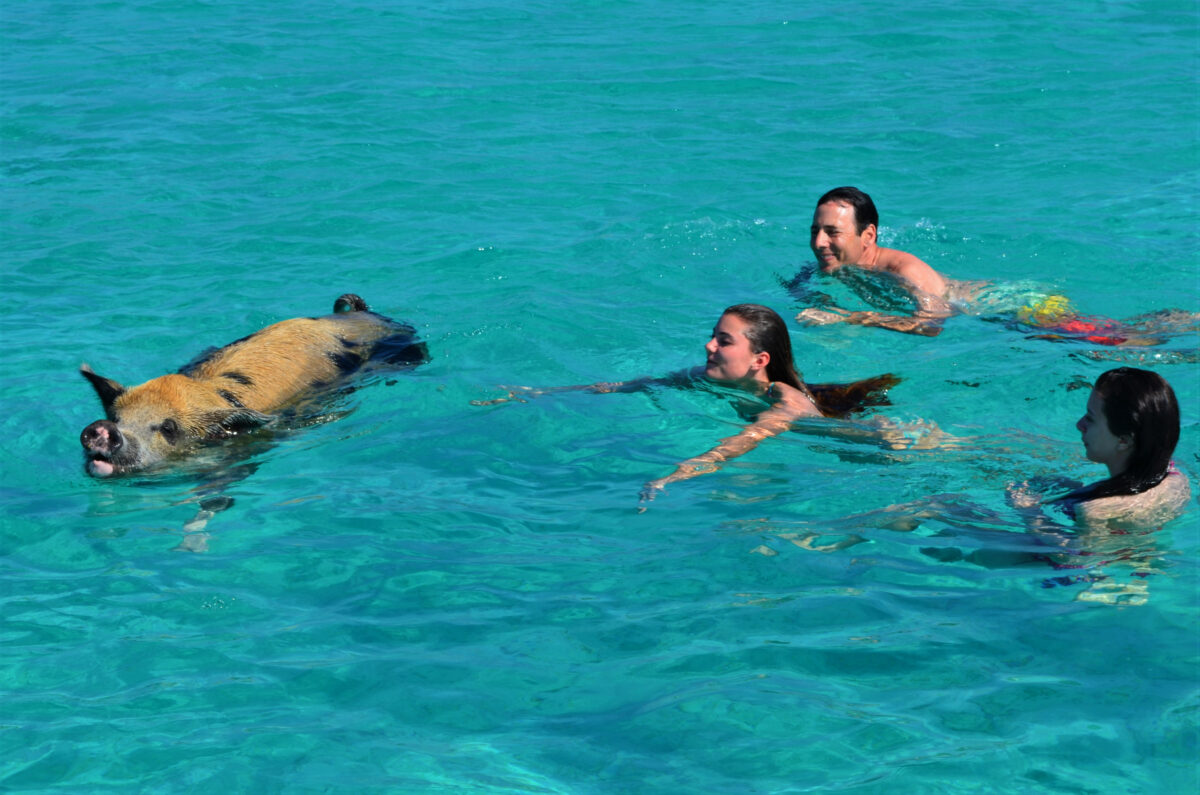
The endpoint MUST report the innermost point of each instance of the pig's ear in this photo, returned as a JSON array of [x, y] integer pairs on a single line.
[[231, 422], [107, 389]]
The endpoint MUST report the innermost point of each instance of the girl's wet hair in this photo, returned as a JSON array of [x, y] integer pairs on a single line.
[[1139, 404], [1142, 405]]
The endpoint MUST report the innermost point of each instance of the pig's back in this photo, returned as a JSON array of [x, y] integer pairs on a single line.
[[279, 363]]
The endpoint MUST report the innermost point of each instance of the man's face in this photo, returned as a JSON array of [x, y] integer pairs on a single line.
[[835, 238]]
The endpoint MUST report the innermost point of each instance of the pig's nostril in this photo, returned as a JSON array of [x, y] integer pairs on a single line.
[[101, 436]]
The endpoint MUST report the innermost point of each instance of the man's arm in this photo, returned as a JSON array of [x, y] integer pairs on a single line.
[[931, 309], [922, 323]]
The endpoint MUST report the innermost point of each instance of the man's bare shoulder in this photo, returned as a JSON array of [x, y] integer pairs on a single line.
[[912, 269]]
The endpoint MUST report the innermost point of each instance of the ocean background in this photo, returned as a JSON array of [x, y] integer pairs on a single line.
[[427, 595]]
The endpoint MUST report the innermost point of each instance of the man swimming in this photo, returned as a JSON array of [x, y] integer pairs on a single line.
[[916, 299], [844, 238]]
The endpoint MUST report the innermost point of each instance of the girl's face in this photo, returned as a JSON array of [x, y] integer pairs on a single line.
[[730, 357], [1099, 443]]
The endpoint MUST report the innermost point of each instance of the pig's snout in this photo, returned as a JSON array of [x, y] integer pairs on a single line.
[[101, 441], [101, 437]]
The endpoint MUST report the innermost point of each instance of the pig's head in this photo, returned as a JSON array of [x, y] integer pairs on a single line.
[[162, 418]]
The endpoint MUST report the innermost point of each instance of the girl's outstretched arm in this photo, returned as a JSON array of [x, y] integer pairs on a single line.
[[771, 422], [521, 394], [881, 431]]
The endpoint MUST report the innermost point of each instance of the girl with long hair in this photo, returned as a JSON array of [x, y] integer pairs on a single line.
[[750, 349], [1131, 425]]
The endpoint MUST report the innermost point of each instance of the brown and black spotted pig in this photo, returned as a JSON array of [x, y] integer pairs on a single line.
[[241, 386]]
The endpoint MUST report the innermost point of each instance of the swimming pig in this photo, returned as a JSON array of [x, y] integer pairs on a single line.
[[239, 387]]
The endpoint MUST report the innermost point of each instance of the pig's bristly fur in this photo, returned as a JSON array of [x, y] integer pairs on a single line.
[[240, 386]]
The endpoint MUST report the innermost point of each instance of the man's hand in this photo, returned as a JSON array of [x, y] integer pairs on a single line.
[[822, 317]]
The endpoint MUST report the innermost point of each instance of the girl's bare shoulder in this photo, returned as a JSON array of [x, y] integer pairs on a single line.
[[795, 401], [1155, 507]]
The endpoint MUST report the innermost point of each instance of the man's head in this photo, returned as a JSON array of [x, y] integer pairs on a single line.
[[865, 213], [844, 228]]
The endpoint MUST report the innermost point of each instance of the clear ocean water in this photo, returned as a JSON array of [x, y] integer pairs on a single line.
[[430, 596]]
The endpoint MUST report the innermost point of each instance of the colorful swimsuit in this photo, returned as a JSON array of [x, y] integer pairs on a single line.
[[1054, 313]]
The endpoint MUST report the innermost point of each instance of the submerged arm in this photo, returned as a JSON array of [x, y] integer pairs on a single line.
[[1028, 499], [925, 322], [931, 312], [924, 325], [798, 413], [887, 433], [522, 393]]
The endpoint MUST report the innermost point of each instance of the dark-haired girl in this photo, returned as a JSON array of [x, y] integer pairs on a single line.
[[1131, 425]]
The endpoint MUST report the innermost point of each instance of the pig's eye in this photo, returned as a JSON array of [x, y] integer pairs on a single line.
[[170, 430]]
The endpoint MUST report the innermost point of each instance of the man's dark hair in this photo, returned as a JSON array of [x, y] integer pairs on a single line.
[[865, 213]]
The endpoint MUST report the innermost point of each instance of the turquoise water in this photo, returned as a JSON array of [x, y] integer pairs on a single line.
[[427, 595]]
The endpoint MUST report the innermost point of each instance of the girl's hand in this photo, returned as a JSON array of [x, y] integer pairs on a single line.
[[651, 490], [519, 394], [686, 469], [1021, 496], [1030, 493]]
